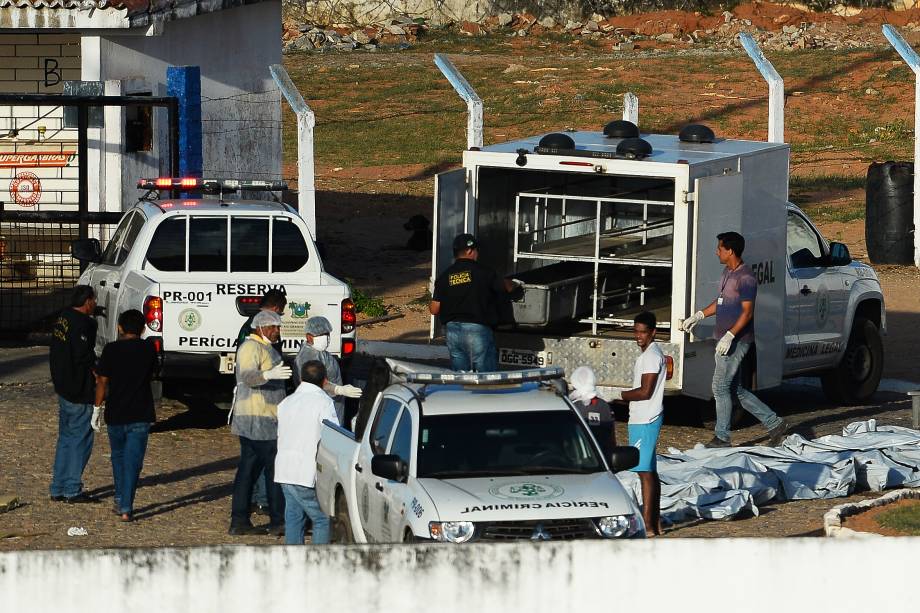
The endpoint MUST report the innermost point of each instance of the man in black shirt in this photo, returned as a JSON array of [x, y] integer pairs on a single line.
[[72, 357], [125, 370], [467, 296]]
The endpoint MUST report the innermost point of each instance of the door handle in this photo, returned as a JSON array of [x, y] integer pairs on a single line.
[[358, 468], [116, 285], [102, 283], [805, 291], [378, 486]]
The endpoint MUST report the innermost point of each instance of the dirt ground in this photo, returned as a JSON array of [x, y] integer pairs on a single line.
[[184, 494]]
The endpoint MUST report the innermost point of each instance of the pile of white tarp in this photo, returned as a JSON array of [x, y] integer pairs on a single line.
[[720, 483]]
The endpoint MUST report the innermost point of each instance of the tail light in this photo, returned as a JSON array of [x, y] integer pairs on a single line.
[[157, 343], [349, 316], [248, 305], [669, 366], [348, 346], [153, 313]]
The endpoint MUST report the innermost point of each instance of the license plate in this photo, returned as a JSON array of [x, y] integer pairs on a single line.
[[227, 363], [523, 357]]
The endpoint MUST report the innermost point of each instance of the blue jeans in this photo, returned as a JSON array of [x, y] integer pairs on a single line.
[[300, 502], [255, 456], [726, 383], [471, 347], [260, 492], [74, 445], [129, 444]]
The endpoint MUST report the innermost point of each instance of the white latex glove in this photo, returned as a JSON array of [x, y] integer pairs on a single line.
[[725, 343], [517, 282], [349, 391], [95, 422], [688, 324], [277, 372], [616, 394]]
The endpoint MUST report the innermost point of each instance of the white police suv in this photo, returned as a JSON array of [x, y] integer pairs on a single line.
[[197, 268], [474, 457]]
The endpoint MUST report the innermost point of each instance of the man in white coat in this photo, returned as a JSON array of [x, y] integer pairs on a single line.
[[300, 422]]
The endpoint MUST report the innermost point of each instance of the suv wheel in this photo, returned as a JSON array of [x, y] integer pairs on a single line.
[[341, 523], [857, 376]]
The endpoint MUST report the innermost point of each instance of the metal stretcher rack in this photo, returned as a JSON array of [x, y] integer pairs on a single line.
[[623, 229]]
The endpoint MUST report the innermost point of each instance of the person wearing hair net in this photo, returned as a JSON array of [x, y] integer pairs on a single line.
[[260, 387], [595, 411], [316, 347]]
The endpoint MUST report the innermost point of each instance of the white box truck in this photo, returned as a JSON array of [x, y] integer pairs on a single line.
[[601, 225]]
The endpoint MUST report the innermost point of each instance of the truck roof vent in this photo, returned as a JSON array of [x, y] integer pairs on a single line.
[[634, 149], [620, 128], [556, 140], [697, 133]]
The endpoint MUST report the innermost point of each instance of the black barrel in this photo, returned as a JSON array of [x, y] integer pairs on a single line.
[[890, 213]]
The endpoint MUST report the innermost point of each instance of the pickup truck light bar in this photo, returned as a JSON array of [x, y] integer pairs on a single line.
[[487, 378], [210, 186]]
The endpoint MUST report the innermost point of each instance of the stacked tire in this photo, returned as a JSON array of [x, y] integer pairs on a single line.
[[889, 213]]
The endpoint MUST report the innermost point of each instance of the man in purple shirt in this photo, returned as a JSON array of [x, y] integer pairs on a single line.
[[734, 311]]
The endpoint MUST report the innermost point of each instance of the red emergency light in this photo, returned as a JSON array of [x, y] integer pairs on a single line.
[[210, 186]]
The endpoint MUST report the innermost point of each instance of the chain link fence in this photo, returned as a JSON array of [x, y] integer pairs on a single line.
[[37, 271]]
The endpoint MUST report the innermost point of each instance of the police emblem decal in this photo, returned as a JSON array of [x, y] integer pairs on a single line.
[[189, 320], [526, 491]]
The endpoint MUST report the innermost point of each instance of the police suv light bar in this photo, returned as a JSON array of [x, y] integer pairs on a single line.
[[210, 186], [487, 378]]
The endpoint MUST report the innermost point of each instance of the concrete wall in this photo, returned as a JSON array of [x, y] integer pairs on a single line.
[[241, 111], [42, 154], [750, 575]]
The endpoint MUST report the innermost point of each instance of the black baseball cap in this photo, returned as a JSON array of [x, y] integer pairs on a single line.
[[465, 241]]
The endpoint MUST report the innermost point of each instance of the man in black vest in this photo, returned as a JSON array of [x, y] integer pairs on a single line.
[[72, 358], [468, 296]]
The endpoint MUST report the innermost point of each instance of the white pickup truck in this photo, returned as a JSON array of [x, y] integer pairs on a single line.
[[197, 269], [461, 457]]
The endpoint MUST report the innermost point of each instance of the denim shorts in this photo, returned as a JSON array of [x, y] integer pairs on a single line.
[[644, 437]]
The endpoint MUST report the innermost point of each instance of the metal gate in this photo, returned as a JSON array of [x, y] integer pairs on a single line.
[[36, 268]]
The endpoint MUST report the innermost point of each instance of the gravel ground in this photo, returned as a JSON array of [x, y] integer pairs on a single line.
[[184, 495]]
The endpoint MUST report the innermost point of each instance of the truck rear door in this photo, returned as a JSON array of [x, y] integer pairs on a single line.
[[207, 317], [717, 208], [449, 220], [213, 270]]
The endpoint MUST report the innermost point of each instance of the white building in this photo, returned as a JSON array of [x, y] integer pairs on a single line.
[[126, 47]]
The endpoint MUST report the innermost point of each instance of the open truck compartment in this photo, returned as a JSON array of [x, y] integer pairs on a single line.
[[596, 237], [590, 249]]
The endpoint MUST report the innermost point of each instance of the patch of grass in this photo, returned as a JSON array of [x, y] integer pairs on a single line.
[[826, 212], [810, 191], [366, 304], [423, 300], [810, 183], [904, 519]]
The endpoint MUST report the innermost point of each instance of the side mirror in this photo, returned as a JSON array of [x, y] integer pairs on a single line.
[[392, 468], [839, 255], [623, 458], [86, 250]]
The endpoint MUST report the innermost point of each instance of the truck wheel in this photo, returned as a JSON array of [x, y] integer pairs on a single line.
[[341, 523], [857, 376]]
